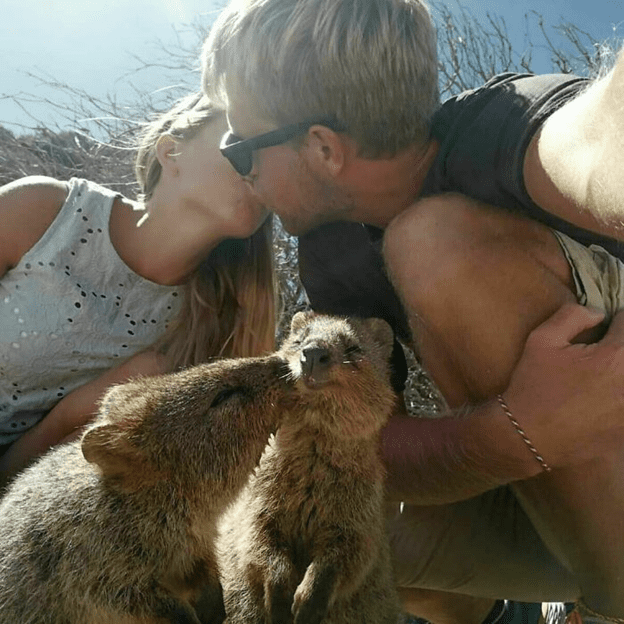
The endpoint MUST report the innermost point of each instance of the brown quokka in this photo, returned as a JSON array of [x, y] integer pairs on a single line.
[[120, 527], [305, 542]]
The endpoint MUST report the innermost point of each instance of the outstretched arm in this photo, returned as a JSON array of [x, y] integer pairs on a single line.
[[573, 168], [568, 420]]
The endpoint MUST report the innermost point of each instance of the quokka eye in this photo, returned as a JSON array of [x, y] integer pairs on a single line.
[[226, 394]]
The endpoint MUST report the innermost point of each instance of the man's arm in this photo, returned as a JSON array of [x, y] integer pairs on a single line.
[[573, 168], [569, 420], [452, 457]]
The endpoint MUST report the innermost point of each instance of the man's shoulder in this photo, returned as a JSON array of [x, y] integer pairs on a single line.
[[483, 134], [505, 92]]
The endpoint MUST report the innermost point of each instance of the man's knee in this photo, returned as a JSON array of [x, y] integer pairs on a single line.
[[434, 242], [449, 243]]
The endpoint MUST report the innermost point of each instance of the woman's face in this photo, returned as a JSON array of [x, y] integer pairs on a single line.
[[208, 180]]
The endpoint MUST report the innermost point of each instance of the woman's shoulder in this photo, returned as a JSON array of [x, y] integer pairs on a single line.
[[41, 188], [27, 208]]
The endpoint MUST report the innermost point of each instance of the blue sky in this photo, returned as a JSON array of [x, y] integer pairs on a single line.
[[90, 44], [87, 44], [597, 16], [603, 19]]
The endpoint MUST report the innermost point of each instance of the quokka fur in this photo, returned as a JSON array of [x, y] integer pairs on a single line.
[[120, 527], [305, 542]]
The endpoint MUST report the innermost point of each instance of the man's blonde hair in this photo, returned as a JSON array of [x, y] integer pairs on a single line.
[[371, 64]]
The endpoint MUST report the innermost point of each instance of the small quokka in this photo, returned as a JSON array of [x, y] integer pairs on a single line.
[[120, 527], [305, 541]]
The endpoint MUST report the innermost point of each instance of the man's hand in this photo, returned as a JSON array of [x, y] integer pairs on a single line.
[[569, 398]]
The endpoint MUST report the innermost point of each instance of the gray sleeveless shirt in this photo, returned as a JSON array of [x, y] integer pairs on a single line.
[[71, 309]]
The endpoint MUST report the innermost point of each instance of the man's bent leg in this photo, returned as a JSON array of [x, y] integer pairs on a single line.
[[485, 547], [586, 501], [475, 282]]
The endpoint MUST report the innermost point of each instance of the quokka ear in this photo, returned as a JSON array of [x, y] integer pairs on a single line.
[[300, 319], [119, 461], [380, 331], [122, 399], [108, 401]]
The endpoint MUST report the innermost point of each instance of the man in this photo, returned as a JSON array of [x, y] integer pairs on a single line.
[[332, 109]]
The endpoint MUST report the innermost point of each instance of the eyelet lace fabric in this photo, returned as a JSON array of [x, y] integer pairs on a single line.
[[72, 309]]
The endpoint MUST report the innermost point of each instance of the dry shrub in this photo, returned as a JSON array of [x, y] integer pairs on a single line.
[[99, 143]]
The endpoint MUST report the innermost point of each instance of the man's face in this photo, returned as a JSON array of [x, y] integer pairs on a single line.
[[281, 176]]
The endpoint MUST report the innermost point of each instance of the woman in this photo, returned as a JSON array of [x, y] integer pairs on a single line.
[[96, 288]]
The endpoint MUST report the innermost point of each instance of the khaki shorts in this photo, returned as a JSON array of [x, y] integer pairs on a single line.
[[598, 276], [487, 546]]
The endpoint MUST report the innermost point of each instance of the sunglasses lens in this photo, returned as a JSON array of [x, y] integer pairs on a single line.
[[242, 162], [239, 156]]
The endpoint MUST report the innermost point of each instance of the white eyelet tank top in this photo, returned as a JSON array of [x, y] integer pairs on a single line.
[[71, 309]]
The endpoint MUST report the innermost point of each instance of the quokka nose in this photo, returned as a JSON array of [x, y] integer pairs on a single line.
[[315, 360]]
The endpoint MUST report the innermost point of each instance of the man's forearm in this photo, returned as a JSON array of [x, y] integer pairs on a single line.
[[568, 398], [450, 458]]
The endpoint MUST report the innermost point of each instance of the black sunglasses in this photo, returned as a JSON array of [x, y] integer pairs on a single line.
[[240, 151]]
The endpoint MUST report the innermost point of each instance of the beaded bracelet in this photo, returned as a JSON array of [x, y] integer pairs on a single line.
[[523, 435]]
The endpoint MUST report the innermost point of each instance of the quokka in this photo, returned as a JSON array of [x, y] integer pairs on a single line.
[[305, 541], [120, 527]]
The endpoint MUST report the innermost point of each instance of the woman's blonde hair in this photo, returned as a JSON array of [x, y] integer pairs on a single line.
[[371, 64], [229, 303]]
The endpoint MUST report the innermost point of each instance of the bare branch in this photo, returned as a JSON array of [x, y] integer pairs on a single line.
[[102, 130]]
